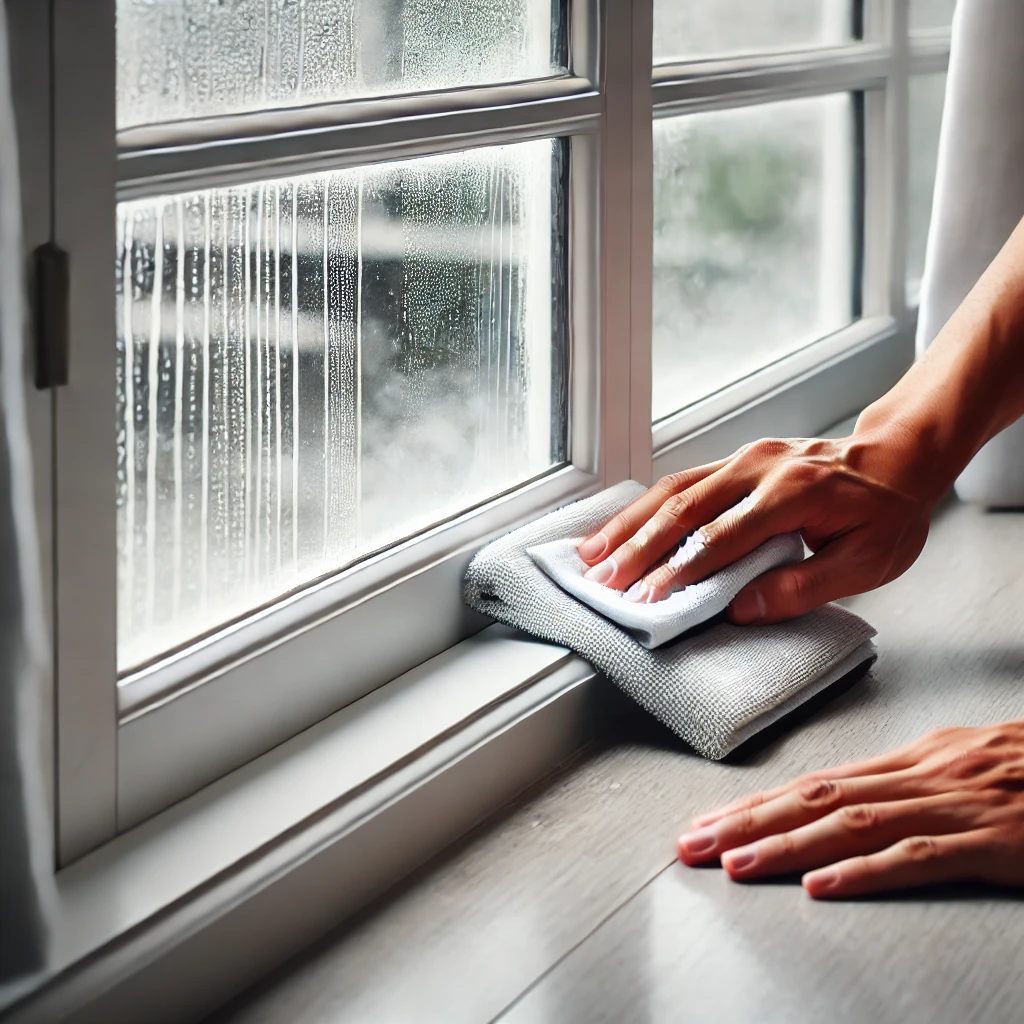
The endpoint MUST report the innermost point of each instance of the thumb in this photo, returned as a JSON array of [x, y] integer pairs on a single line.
[[795, 589]]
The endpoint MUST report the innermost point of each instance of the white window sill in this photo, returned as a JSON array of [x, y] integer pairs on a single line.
[[283, 848]]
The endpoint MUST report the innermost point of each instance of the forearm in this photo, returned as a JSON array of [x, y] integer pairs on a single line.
[[967, 387]]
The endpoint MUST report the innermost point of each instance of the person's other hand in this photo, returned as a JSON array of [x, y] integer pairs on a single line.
[[861, 503], [949, 807]]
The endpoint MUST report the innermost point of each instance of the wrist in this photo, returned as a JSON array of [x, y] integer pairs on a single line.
[[909, 449]]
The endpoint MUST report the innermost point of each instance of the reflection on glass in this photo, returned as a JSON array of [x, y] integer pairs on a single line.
[[688, 29], [753, 240], [180, 59], [925, 110], [312, 368], [930, 14]]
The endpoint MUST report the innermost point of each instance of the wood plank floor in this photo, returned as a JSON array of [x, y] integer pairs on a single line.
[[570, 905]]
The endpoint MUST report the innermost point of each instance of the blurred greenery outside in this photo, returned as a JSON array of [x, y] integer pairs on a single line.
[[749, 203]]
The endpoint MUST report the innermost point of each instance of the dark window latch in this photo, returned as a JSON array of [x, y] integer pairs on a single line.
[[52, 283]]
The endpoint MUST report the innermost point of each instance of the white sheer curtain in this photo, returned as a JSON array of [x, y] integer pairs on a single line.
[[979, 200], [26, 847]]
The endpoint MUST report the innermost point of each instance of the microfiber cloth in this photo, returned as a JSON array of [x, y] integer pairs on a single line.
[[714, 687]]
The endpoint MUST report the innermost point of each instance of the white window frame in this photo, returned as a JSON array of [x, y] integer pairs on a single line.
[[124, 752]]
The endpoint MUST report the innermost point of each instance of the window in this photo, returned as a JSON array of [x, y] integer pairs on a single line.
[[183, 59], [754, 221], [298, 357], [358, 286], [927, 93], [690, 29], [931, 14], [333, 270], [774, 187]]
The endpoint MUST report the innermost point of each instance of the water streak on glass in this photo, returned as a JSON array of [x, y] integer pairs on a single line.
[[179, 59], [694, 29], [753, 240], [312, 368]]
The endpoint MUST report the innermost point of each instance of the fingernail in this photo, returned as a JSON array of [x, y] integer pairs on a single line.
[[601, 573], [749, 607], [820, 881], [638, 593], [593, 547], [697, 842], [738, 860]]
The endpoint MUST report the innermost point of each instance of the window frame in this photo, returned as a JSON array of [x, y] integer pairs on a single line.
[[124, 752]]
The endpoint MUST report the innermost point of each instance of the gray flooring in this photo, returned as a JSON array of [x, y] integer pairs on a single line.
[[570, 906]]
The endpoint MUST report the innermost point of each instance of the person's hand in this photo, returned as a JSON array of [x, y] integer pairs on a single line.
[[947, 808], [861, 503]]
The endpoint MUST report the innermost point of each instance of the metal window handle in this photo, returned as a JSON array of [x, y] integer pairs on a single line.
[[53, 279]]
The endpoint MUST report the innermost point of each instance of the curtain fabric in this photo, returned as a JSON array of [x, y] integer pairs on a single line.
[[26, 848], [979, 200]]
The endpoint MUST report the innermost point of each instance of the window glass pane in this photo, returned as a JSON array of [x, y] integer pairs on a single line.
[[929, 14], [926, 98], [310, 369], [180, 59], [687, 29], [753, 240]]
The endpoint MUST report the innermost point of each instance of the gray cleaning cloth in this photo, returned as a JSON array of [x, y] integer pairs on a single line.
[[715, 688]]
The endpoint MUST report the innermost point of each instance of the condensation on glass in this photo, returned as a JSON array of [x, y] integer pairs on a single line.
[[180, 59], [311, 369], [930, 14], [927, 95], [754, 228], [694, 29]]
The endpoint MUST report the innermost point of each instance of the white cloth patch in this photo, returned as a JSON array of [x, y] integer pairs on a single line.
[[716, 688], [656, 623]]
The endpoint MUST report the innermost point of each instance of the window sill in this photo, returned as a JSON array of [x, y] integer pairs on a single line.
[[201, 899], [174, 739]]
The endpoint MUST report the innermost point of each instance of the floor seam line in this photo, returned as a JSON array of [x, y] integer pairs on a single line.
[[576, 945]]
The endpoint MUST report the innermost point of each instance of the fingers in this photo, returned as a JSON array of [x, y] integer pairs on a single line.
[[793, 809], [890, 761], [735, 533], [614, 534], [855, 830], [915, 860], [791, 591], [677, 517], [945, 807]]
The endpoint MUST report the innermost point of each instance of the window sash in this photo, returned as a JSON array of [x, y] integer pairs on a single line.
[[606, 106], [321, 606], [168, 703]]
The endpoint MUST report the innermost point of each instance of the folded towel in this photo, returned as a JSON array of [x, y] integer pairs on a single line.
[[715, 688]]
